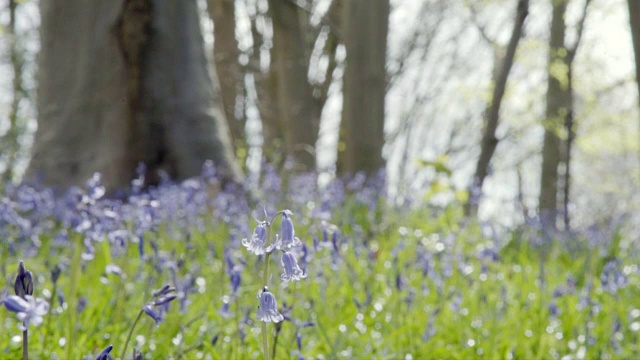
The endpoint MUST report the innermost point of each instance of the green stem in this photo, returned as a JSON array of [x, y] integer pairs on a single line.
[[275, 344], [265, 341], [25, 344], [73, 304], [133, 327], [47, 318], [265, 334], [237, 314], [265, 274]]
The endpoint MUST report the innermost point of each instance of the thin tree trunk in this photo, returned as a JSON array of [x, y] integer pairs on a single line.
[[296, 105], [556, 112], [365, 27], [123, 82], [569, 127], [267, 98], [634, 22], [225, 55], [570, 123], [492, 113], [560, 114]]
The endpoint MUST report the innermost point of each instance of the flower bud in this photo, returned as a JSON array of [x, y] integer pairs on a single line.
[[24, 282]]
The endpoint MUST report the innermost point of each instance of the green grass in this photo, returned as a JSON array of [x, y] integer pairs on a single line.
[[499, 313]]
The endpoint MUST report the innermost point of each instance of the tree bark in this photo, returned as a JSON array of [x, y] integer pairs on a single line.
[[225, 55], [634, 22], [299, 111], [492, 113], [10, 140], [556, 111], [570, 123], [267, 97], [365, 27], [123, 82], [559, 116]]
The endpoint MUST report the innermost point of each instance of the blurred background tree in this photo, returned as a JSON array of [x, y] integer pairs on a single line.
[[127, 84], [487, 103]]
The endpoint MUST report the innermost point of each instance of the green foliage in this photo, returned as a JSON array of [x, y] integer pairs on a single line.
[[466, 305]]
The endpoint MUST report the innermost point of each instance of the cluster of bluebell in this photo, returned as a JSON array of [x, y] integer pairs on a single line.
[[258, 244], [87, 219]]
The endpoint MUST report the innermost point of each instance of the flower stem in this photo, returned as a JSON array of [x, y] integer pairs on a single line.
[[265, 275], [275, 344], [133, 327], [47, 318], [265, 341], [265, 327], [25, 344], [73, 302]]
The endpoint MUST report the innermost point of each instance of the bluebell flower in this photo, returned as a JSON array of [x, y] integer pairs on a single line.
[[209, 171], [28, 310], [164, 295], [104, 355], [256, 244], [299, 340], [95, 189], [268, 308], [137, 355], [165, 290], [288, 236], [82, 303], [153, 313], [225, 309], [24, 282], [292, 271], [55, 273], [164, 300]]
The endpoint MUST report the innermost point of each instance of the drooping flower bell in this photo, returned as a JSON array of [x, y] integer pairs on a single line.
[[257, 241], [163, 296], [288, 237], [268, 308], [292, 271], [28, 310]]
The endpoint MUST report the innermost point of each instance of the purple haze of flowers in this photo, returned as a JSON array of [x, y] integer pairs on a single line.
[[292, 271], [612, 278], [29, 310], [268, 308]]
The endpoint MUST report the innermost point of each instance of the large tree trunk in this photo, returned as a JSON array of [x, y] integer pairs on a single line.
[[225, 55], [123, 82], [555, 116], [298, 109], [489, 141], [365, 25]]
